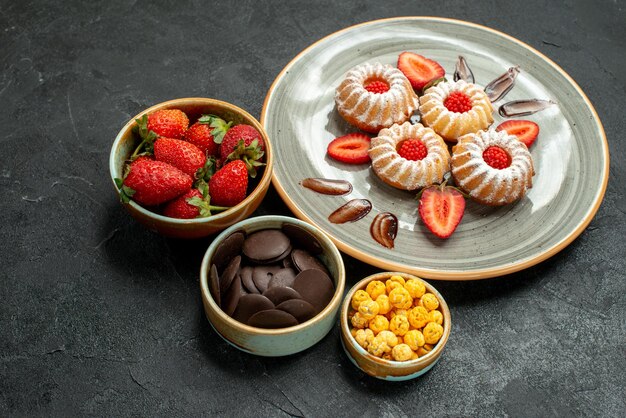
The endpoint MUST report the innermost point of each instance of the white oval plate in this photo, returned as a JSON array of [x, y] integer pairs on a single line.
[[571, 154]]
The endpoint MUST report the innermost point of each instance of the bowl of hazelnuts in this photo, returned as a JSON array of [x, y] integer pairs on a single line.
[[394, 326]]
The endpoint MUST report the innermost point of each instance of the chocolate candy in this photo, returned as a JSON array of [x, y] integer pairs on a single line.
[[302, 238], [246, 279], [229, 273], [262, 276], [271, 278], [300, 309], [230, 247], [283, 278], [232, 296], [305, 261], [250, 304], [266, 246], [280, 294], [315, 287], [214, 285], [272, 318]]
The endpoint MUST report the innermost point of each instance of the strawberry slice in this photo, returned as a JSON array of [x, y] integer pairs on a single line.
[[351, 148], [441, 208], [525, 130], [419, 70]]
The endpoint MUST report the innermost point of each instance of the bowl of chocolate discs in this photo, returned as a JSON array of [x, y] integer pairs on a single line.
[[272, 285]]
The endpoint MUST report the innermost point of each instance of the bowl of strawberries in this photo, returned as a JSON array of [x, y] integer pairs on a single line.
[[191, 167]]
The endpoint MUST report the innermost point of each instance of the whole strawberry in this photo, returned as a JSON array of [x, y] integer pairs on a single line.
[[170, 123], [193, 204], [239, 132], [150, 182], [229, 185], [207, 133], [181, 154], [199, 134]]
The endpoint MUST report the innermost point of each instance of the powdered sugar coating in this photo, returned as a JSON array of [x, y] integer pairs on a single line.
[[407, 174], [374, 111], [484, 183], [452, 125]]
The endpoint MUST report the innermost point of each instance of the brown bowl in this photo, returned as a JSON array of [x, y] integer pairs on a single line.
[[125, 143], [387, 369]]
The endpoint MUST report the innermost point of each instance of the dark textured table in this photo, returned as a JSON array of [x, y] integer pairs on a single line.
[[99, 316]]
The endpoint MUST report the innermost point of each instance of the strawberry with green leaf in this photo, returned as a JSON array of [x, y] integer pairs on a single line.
[[150, 182], [245, 133], [207, 133], [170, 123], [193, 204], [145, 147], [229, 185], [251, 155]]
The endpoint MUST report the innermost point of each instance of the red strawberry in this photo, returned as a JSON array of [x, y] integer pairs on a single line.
[[207, 133], [458, 102], [170, 123], [229, 185], [190, 205], [525, 130], [496, 157], [351, 148], [377, 86], [151, 182], [413, 149], [199, 134], [441, 208], [181, 208], [181, 154], [239, 132], [419, 70]]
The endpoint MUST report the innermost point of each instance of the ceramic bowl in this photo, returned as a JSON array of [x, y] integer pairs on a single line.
[[282, 341], [387, 369], [124, 145]]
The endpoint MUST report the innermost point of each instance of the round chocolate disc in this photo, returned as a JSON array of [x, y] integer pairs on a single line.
[[302, 238], [283, 278], [231, 297], [246, 279], [214, 285], [272, 318], [315, 287], [249, 305], [300, 309], [281, 257], [261, 275], [265, 245], [280, 294], [304, 261], [230, 247], [229, 273]]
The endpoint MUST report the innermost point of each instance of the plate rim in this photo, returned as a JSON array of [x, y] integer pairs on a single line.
[[441, 274]]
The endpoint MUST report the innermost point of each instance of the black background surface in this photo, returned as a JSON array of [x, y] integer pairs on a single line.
[[99, 316]]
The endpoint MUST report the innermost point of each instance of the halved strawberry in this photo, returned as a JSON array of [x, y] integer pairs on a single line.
[[441, 208], [525, 130], [351, 148], [419, 70]]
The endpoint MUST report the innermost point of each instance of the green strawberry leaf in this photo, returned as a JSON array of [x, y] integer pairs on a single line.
[[146, 146], [219, 125], [126, 193], [251, 155], [205, 208], [206, 172]]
